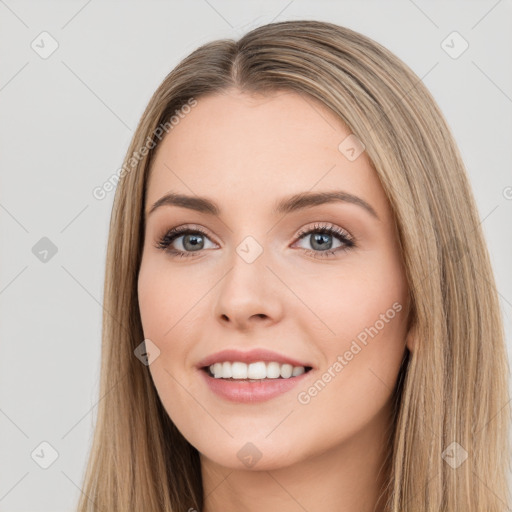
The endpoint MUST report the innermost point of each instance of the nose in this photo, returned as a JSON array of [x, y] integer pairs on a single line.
[[249, 293]]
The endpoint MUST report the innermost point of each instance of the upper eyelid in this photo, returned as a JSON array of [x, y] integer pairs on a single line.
[[329, 226]]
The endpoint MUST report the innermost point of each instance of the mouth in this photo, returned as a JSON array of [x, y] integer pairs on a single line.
[[259, 371], [250, 383]]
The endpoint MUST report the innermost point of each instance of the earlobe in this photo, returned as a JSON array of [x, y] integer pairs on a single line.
[[410, 340]]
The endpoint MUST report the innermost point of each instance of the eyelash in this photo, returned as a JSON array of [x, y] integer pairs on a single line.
[[170, 236]]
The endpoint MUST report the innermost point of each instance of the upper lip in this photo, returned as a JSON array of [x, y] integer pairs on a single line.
[[251, 356]]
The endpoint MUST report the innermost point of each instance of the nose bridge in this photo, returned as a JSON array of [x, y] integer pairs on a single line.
[[248, 266], [250, 237], [249, 287]]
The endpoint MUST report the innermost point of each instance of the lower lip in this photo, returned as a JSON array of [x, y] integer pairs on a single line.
[[251, 392]]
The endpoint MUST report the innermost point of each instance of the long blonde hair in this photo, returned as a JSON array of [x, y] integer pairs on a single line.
[[454, 385]]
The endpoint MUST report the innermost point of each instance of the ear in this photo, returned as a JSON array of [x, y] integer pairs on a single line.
[[410, 339]]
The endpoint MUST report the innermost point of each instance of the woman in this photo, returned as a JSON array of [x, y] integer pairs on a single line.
[[301, 309]]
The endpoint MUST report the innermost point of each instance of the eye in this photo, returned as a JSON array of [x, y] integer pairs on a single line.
[[193, 240], [320, 239]]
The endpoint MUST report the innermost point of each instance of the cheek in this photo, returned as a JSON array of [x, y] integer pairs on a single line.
[[363, 314], [153, 303], [168, 318], [172, 315], [164, 298], [344, 301], [352, 390]]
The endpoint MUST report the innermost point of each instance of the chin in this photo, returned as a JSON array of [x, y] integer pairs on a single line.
[[256, 455]]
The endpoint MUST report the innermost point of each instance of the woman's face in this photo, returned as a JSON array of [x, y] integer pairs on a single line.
[[259, 277]]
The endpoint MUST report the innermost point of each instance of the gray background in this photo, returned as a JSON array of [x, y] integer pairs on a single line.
[[65, 124]]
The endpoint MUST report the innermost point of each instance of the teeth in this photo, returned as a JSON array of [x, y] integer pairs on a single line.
[[255, 371]]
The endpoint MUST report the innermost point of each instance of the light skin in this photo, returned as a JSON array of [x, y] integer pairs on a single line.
[[246, 152]]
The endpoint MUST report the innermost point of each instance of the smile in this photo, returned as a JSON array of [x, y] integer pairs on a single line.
[[250, 389]]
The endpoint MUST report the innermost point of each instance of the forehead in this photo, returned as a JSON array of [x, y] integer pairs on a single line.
[[249, 149], [242, 129]]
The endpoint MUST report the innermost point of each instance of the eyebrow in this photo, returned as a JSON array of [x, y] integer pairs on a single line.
[[287, 205]]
